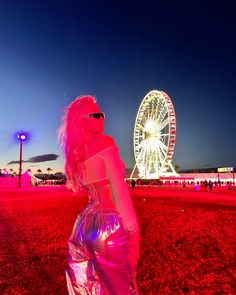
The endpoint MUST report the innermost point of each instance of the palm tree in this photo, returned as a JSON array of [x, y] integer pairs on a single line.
[[49, 170], [39, 171], [11, 171]]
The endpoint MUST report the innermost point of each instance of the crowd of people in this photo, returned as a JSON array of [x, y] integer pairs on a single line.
[[206, 185]]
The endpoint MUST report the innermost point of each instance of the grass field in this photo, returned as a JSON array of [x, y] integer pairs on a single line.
[[188, 240]]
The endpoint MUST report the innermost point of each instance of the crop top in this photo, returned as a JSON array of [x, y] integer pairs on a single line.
[[104, 178]]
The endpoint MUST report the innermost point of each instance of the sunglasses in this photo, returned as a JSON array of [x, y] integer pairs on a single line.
[[96, 115]]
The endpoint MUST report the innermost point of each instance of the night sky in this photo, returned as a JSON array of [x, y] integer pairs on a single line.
[[54, 51]]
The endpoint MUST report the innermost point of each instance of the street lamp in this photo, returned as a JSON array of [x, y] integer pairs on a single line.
[[22, 137]]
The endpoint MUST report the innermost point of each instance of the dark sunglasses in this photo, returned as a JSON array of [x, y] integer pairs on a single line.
[[97, 115]]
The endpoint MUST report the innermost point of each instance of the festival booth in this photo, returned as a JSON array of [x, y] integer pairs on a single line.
[[12, 181]]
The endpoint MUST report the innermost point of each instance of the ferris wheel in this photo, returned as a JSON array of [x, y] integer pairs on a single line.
[[155, 136]]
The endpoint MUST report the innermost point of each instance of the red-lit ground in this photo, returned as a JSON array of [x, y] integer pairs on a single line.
[[188, 243]]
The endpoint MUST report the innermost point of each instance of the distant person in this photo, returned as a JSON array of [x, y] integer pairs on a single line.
[[210, 186], [205, 185], [197, 186], [133, 183], [104, 244], [230, 185]]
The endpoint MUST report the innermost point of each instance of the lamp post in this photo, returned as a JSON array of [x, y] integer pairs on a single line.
[[22, 137]]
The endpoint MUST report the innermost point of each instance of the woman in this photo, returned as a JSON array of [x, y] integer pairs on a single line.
[[104, 244]]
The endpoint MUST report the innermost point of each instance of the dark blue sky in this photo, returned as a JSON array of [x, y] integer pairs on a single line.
[[53, 51]]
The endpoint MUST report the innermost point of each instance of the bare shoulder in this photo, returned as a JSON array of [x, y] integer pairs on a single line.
[[103, 141], [99, 143]]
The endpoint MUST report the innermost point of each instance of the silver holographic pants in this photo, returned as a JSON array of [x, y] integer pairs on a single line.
[[98, 255]]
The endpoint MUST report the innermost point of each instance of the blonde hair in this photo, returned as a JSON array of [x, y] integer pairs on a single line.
[[71, 134]]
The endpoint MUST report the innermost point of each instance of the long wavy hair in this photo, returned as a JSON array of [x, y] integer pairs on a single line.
[[72, 137]]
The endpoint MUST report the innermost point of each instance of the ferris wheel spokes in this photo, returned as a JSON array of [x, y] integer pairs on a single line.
[[163, 124]]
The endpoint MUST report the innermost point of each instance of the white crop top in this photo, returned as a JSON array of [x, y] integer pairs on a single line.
[[95, 169], [107, 165]]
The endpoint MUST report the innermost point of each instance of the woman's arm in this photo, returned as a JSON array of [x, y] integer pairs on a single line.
[[120, 192], [123, 202]]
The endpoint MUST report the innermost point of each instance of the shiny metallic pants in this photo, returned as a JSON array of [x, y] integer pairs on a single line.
[[98, 255]]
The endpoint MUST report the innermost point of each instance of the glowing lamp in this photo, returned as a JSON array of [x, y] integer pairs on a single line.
[[22, 136]]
